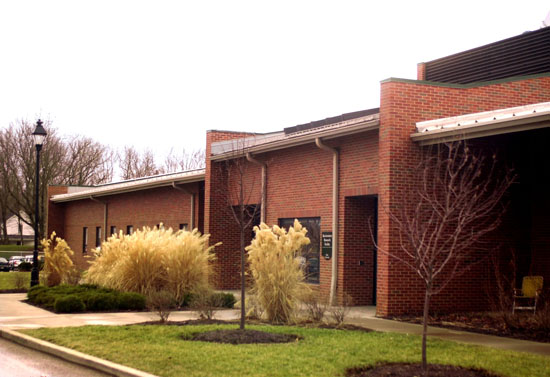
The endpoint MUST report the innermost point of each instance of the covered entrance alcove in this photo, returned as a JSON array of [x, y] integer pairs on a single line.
[[359, 257], [519, 137]]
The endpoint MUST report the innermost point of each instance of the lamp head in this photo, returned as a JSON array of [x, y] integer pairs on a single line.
[[39, 133]]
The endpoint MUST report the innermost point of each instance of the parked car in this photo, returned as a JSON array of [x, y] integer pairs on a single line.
[[4, 264], [14, 262]]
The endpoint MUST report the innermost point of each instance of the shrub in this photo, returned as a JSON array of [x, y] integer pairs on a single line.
[[162, 302], [35, 291], [316, 306], [339, 313], [187, 299], [224, 300], [131, 301], [206, 303], [24, 266], [58, 265], [93, 297], [152, 260], [101, 301], [278, 279], [69, 304]]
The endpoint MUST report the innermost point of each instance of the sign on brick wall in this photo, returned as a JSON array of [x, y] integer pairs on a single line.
[[326, 240]]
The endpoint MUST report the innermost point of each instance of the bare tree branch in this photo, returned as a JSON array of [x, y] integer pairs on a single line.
[[455, 202]]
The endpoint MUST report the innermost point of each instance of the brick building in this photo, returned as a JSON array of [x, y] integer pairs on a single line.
[[337, 176], [86, 216]]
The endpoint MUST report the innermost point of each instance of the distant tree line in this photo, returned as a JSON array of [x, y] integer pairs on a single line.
[[68, 160]]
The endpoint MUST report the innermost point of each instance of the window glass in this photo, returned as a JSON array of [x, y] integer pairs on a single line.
[[97, 236], [310, 254], [183, 226], [129, 229], [84, 240], [113, 230]]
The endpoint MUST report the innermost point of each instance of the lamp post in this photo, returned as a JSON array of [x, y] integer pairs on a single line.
[[39, 135]]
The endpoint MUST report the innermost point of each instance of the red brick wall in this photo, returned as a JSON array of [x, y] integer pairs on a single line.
[[299, 184], [402, 104], [56, 212], [139, 208], [218, 220]]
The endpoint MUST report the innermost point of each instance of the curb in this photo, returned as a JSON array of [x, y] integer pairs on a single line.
[[72, 355]]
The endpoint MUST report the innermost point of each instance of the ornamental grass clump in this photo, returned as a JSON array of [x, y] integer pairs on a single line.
[[58, 265], [153, 260], [279, 282]]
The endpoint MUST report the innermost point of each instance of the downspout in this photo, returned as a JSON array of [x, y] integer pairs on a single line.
[[263, 200], [335, 175], [192, 217], [104, 235]]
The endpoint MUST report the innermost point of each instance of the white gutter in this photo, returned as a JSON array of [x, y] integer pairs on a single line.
[[371, 123], [137, 185], [263, 201], [192, 217], [335, 175]]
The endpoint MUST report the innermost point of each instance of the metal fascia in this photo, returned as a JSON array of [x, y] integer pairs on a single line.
[[369, 125], [120, 190], [482, 129]]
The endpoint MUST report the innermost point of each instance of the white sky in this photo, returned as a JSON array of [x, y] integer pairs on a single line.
[[158, 74]]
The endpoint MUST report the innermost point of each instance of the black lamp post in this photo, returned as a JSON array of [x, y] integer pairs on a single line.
[[39, 135]]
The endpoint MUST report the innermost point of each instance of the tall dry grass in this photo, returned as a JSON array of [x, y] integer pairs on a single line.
[[153, 260], [278, 279], [58, 265]]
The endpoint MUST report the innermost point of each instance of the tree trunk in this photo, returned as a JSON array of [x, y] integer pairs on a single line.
[[243, 313], [425, 329]]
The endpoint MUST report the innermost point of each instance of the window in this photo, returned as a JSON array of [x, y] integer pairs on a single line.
[[97, 236], [129, 229], [113, 230], [310, 253], [183, 226], [84, 240]]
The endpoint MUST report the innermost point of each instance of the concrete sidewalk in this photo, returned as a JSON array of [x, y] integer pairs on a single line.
[[15, 314]]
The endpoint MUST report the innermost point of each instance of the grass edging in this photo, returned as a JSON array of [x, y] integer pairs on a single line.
[[72, 355]]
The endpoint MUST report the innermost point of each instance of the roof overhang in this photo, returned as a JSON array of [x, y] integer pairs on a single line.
[[133, 185], [488, 123], [240, 147]]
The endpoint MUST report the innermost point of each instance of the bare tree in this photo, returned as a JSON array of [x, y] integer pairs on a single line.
[[77, 161], [242, 196], [446, 215], [87, 162], [184, 161], [134, 164], [18, 168]]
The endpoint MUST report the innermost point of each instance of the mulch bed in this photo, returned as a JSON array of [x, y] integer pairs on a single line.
[[236, 336], [408, 370], [486, 323]]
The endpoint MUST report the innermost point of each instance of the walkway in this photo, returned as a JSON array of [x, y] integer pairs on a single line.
[[15, 314]]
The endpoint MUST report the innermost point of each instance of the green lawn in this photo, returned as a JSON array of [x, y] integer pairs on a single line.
[[14, 280], [16, 247], [160, 350]]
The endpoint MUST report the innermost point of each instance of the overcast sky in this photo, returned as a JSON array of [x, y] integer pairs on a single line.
[[158, 74]]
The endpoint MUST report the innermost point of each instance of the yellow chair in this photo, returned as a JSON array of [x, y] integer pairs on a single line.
[[531, 288]]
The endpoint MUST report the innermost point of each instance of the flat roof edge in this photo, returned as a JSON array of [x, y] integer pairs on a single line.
[[120, 188], [465, 86], [372, 124]]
